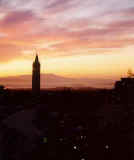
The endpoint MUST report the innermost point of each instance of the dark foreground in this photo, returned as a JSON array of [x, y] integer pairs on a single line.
[[66, 125]]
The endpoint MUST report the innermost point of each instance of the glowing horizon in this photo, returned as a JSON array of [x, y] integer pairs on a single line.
[[88, 39]]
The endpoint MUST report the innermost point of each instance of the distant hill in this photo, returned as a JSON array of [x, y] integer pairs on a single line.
[[53, 81]]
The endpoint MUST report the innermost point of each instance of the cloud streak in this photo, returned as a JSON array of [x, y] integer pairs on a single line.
[[17, 17]]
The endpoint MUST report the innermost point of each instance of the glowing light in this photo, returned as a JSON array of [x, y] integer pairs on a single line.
[[107, 147], [75, 147]]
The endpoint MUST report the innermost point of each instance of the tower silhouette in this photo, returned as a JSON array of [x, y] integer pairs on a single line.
[[36, 76]]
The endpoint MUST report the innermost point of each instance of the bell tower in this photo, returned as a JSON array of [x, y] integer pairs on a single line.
[[36, 76]]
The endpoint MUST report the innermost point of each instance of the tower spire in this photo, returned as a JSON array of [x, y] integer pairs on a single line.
[[36, 75], [36, 58]]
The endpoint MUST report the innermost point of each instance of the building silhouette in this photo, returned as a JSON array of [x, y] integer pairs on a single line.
[[36, 76], [125, 89]]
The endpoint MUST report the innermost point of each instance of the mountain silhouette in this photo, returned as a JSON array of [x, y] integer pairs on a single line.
[[53, 81]]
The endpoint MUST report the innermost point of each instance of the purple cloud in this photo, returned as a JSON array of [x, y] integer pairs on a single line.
[[17, 17]]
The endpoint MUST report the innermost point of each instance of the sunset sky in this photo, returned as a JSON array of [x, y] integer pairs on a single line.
[[74, 38]]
